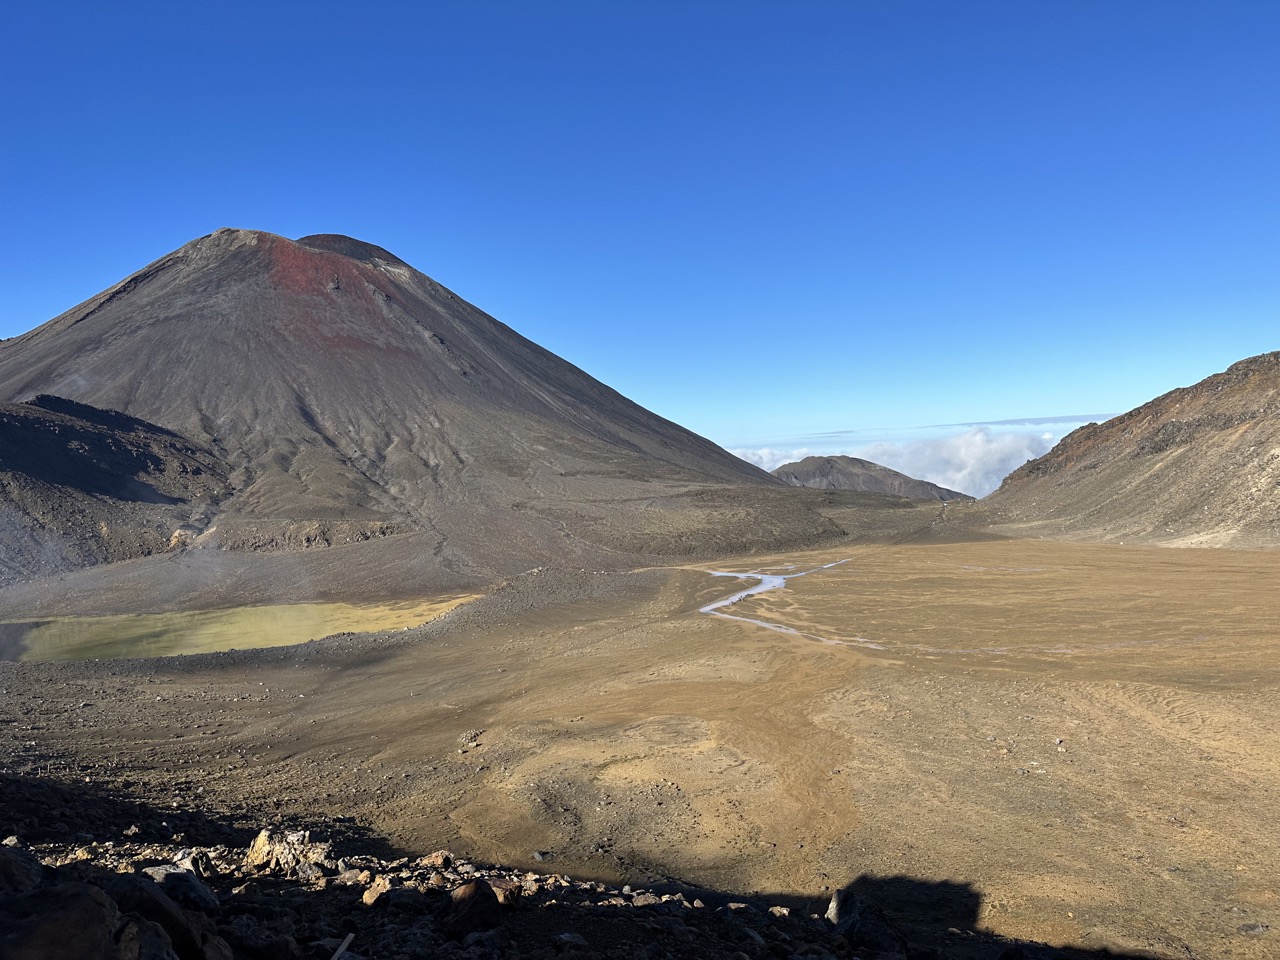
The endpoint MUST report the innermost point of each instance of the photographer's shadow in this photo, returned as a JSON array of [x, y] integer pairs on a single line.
[[926, 919]]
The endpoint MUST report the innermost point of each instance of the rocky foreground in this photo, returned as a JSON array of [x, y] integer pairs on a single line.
[[289, 895]]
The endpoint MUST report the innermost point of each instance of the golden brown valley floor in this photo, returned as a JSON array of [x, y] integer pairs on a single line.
[[1086, 736]]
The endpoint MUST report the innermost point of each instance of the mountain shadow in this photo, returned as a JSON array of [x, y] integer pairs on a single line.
[[81, 449]]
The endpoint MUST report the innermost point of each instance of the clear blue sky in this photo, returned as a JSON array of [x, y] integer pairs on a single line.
[[761, 220]]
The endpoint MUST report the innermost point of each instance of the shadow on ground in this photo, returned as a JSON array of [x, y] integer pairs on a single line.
[[47, 810], [87, 826], [942, 916]]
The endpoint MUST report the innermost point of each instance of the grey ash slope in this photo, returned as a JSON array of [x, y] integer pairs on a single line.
[[1198, 466], [348, 397], [80, 485], [851, 473], [263, 347]]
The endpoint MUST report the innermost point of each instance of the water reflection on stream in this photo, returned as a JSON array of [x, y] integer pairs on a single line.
[[774, 581]]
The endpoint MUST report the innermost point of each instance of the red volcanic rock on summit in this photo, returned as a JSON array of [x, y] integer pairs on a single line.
[[342, 390]]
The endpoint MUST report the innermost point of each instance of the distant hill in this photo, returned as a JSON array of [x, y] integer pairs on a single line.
[[850, 473], [334, 395], [1198, 466]]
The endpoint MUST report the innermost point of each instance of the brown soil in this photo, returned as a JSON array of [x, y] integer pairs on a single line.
[[1081, 738], [1198, 466]]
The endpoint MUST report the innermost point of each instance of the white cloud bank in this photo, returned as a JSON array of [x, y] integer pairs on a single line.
[[973, 462]]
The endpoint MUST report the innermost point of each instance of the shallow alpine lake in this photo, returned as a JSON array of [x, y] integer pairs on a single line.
[[207, 631]]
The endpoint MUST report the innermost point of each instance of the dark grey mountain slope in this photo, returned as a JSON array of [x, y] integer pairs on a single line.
[[342, 385], [347, 397], [850, 473]]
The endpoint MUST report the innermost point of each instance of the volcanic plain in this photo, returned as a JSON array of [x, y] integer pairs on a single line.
[[1003, 741], [1058, 742]]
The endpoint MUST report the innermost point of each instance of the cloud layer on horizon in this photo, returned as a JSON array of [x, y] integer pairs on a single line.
[[972, 462]]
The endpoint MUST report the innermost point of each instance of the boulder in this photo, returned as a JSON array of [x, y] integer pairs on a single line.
[[258, 943], [474, 908], [380, 887], [864, 925], [189, 931], [507, 891], [286, 851], [440, 860], [184, 886], [68, 921], [19, 870], [139, 939]]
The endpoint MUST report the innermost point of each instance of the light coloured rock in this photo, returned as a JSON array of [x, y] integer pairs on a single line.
[[377, 889], [440, 860], [286, 851], [507, 891]]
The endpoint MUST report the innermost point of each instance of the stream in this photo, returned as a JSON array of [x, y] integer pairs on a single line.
[[775, 581]]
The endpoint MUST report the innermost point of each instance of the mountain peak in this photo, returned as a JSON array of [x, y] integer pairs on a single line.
[[850, 473], [226, 239], [338, 387]]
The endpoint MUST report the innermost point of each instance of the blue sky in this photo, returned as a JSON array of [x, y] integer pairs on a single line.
[[766, 221]]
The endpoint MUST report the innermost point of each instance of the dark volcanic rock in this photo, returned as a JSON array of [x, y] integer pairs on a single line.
[[142, 896], [19, 870], [183, 886], [69, 921], [90, 904], [850, 473], [475, 908]]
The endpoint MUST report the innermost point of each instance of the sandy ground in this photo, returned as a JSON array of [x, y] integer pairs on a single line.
[[1053, 741]]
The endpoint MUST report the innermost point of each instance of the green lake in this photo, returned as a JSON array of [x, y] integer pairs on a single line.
[[204, 631]]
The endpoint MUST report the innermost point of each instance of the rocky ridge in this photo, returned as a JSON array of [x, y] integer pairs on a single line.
[[1198, 466], [852, 473], [82, 485]]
